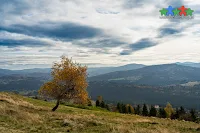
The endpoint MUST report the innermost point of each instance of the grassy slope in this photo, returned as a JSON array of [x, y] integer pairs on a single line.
[[21, 115]]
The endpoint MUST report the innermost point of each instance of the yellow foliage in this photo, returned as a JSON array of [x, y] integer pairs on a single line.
[[68, 81], [169, 110]]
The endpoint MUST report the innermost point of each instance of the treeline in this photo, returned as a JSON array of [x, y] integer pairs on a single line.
[[166, 112], [152, 111]]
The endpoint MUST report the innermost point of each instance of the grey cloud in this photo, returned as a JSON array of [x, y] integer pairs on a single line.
[[25, 42], [101, 42], [168, 31], [60, 31], [139, 45], [14, 6], [126, 52], [142, 44]]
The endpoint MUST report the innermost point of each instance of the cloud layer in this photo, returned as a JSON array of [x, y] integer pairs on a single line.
[[95, 32]]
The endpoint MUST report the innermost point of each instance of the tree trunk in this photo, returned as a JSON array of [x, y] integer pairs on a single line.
[[57, 104]]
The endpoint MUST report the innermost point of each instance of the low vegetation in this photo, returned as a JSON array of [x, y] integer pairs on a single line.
[[21, 115]]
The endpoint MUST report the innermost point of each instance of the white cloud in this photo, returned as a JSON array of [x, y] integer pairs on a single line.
[[117, 23]]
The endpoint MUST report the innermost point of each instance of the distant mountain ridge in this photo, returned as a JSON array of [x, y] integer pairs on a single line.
[[132, 83], [166, 74], [4, 72], [191, 64], [95, 71], [91, 71], [104, 70]]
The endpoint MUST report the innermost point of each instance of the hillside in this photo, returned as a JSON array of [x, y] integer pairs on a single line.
[[167, 74], [21, 115], [191, 64], [103, 70], [186, 96]]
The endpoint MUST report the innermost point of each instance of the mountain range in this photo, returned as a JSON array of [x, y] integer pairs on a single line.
[[176, 83], [167, 74]]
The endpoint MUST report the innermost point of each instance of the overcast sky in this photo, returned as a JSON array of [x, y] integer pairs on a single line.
[[35, 33]]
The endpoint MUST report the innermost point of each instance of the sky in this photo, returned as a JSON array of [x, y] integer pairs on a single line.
[[36, 33]]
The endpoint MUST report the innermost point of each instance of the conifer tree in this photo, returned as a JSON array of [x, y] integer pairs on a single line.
[[119, 107], [123, 108], [193, 115], [145, 110], [137, 110], [153, 111], [162, 113], [97, 103], [181, 111]]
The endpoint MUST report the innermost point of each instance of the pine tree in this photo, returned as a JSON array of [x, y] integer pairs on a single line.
[[123, 108], [137, 110], [162, 113], [119, 107], [97, 103], [145, 110], [181, 111], [153, 111], [193, 115]]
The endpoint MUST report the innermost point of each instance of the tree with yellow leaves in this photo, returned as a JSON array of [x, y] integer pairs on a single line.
[[68, 82], [169, 110]]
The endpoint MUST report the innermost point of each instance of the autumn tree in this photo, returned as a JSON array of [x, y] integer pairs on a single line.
[[169, 110], [100, 99], [131, 109], [68, 82]]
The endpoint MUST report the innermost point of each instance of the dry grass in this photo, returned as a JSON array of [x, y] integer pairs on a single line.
[[19, 114]]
